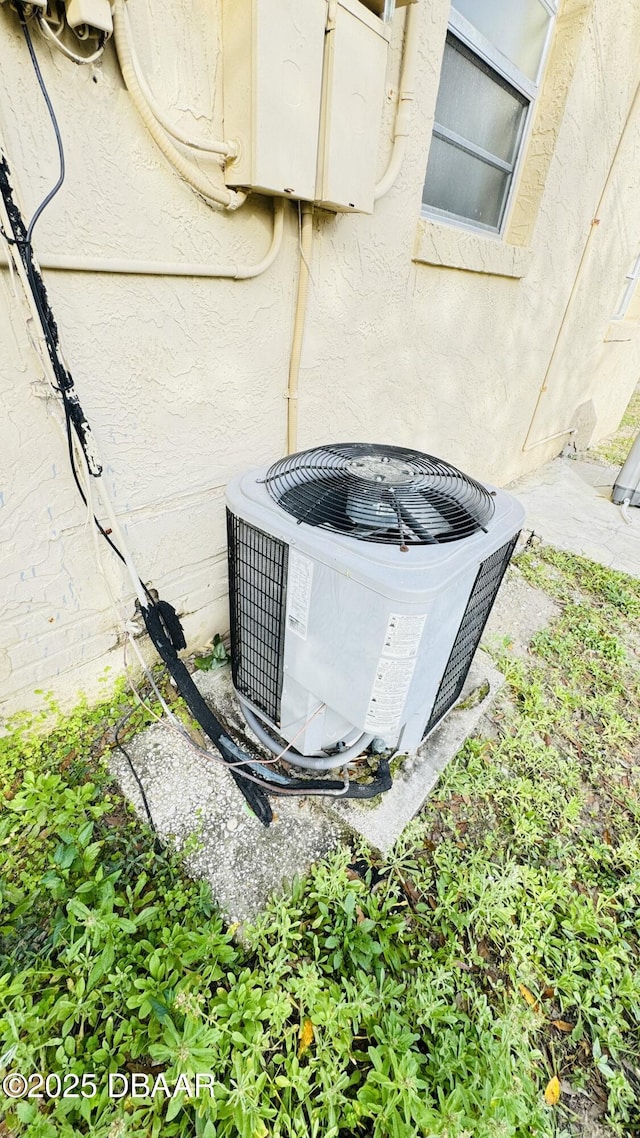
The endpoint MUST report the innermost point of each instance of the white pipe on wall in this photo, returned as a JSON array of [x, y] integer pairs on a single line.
[[306, 245], [124, 267], [219, 148], [405, 102], [229, 199]]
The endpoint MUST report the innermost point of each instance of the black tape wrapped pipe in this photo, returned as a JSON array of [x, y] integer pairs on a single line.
[[162, 630]]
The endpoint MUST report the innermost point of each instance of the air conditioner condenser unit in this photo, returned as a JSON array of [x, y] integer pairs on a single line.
[[361, 577]]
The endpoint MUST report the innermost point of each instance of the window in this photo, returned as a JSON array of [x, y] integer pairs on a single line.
[[493, 59]]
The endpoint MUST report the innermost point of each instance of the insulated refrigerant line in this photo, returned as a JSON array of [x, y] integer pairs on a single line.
[[230, 199]]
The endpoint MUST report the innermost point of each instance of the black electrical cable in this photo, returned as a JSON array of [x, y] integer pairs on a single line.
[[121, 747], [44, 312], [99, 527], [76, 478], [45, 94]]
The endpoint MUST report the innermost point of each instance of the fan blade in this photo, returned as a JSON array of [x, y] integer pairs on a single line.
[[452, 509], [415, 525]]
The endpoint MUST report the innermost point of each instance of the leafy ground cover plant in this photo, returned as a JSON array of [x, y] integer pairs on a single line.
[[480, 982]]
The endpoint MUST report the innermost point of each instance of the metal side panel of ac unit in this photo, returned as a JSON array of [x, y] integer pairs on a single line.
[[464, 643], [627, 484], [266, 632], [475, 617], [257, 592], [356, 649]]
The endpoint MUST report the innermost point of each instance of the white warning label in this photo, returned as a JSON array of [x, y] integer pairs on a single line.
[[394, 672], [390, 689], [299, 583], [403, 634]]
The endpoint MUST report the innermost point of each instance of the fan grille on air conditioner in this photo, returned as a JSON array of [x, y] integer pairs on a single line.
[[390, 495]]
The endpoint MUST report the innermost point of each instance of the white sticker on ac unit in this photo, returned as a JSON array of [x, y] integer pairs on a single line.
[[403, 634], [299, 584], [389, 695]]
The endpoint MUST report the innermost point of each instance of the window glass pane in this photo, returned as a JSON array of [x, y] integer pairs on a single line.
[[461, 184], [476, 103], [517, 27]]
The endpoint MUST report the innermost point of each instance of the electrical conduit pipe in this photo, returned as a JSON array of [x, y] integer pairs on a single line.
[[400, 135], [223, 149], [306, 244], [124, 267], [405, 102], [229, 199]]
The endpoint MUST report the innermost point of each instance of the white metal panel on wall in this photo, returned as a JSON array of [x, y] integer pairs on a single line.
[[353, 93], [272, 60]]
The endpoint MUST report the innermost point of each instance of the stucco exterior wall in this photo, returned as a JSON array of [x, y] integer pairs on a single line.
[[416, 334]]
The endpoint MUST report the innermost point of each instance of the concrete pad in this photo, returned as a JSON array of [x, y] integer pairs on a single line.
[[568, 505], [193, 800], [383, 823], [195, 803]]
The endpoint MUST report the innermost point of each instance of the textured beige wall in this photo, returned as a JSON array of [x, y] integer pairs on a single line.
[[184, 380]]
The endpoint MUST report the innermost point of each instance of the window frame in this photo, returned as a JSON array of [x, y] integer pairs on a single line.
[[491, 57]]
